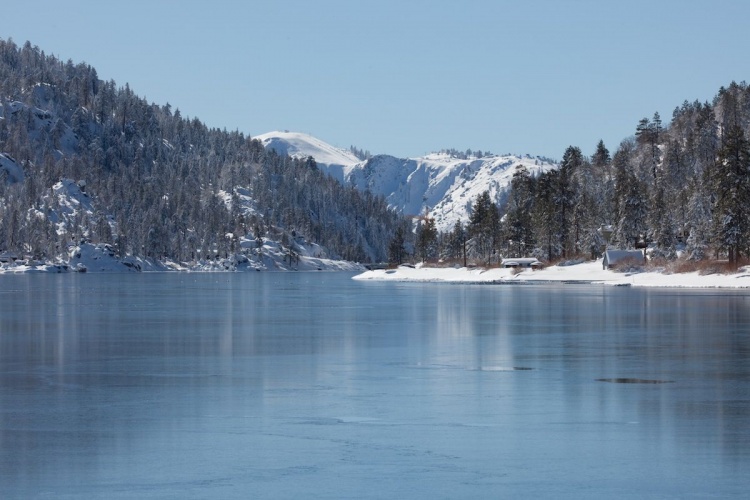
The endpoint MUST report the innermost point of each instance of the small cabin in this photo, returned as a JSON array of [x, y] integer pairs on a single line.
[[521, 262], [612, 257]]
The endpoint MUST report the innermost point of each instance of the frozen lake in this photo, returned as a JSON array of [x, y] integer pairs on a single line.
[[312, 385]]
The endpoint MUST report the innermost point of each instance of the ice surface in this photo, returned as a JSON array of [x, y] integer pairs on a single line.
[[312, 385]]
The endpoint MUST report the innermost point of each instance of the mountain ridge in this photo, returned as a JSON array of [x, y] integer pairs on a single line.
[[85, 162], [440, 184]]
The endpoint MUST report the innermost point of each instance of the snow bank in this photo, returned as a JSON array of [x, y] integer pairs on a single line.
[[588, 272], [97, 258]]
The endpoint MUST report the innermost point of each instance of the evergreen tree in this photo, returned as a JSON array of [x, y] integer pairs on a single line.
[[484, 225], [643, 131], [601, 158], [545, 215], [426, 240], [631, 226], [732, 193], [603, 190], [648, 135], [661, 223], [675, 180], [566, 197], [699, 215], [630, 196], [396, 248], [456, 247], [518, 220]]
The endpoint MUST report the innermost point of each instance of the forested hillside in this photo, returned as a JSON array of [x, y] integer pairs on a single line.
[[678, 189], [156, 184]]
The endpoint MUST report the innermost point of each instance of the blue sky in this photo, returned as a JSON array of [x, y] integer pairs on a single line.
[[406, 77]]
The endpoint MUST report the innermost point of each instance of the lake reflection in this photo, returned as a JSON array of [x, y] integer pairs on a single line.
[[312, 385]]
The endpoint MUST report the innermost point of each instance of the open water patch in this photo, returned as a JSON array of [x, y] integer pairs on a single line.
[[628, 380], [503, 368]]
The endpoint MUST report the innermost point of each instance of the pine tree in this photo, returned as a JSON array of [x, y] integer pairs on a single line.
[[630, 220], [601, 158], [545, 215], [603, 189], [396, 248], [732, 193], [632, 223], [661, 222], [699, 217], [648, 134], [456, 247], [566, 197], [675, 179], [484, 225], [518, 221], [426, 239], [643, 131]]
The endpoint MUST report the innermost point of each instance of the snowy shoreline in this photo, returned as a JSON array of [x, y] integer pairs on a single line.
[[584, 273], [96, 258], [100, 258]]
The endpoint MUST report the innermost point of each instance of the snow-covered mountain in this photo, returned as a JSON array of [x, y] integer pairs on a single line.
[[336, 162], [68, 202], [441, 184]]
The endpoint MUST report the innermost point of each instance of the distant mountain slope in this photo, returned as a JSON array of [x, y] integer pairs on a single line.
[[440, 183], [334, 161], [85, 162], [443, 185]]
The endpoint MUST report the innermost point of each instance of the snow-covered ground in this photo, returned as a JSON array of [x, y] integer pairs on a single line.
[[588, 272], [88, 257]]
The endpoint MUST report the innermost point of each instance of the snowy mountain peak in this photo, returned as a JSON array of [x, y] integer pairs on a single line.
[[439, 183], [335, 161]]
